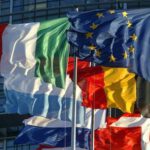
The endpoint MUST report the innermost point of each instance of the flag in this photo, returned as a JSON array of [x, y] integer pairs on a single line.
[[142, 123], [117, 38], [128, 132], [114, 138], [44, 147], [39, 49], [57, 133], [36, 97], [105, 87]]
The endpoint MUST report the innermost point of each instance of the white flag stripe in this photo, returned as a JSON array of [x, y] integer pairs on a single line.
[[19, 44], [99, 116], [55, 123], [33, 85], [129, 122], [66, 148], [35, 97], [147, 146]]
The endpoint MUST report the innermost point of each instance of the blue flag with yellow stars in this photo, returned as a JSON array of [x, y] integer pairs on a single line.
[[116, 38]]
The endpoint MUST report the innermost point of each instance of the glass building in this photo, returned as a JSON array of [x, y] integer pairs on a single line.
[[22, 11]]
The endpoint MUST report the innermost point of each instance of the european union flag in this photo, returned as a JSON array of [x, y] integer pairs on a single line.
[[116, 38]]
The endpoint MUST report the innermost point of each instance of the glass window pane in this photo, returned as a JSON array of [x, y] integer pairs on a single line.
[[5, 11], [5, 5], [53, 4], [29, 7], [41, 6], [29, 1], [41, 1]]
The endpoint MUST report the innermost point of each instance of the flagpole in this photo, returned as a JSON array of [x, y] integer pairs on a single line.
[[92, 123], [92, 129], [10, 11], [74, 108], [110, 112], [73, 133]]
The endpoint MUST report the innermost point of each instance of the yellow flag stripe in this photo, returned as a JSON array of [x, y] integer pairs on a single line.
[[120, 88]]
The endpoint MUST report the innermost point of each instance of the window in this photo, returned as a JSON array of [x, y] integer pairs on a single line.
[[41, 6]]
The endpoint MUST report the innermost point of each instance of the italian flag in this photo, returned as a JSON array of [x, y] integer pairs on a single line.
[[38, 49]]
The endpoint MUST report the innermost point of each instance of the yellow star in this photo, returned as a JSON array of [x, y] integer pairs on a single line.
[[98, 53], [125, 14], [131, 49], [112, 58], [93, 26], [111, 11], [133, 37], [129, 23], [125, 55], [99, 15], [89, 35], [92, 47]]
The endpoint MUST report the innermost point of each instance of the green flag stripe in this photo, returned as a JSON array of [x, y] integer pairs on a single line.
[[52, 51]]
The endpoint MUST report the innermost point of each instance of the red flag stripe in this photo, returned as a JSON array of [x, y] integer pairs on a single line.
[[2, 28], [91, 81], [114, 138], [42, 147]]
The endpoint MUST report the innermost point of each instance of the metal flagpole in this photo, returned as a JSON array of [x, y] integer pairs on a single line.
[[92, 129], [11, 11], [74, 108], [92, 122], [110, 112], [73, 133]]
